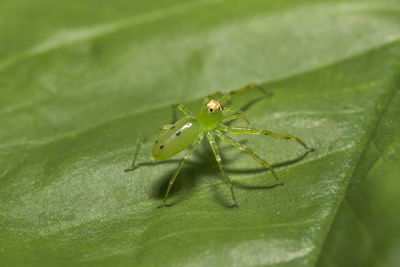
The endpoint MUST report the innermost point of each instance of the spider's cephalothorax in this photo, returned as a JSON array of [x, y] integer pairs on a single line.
[[209, 122]]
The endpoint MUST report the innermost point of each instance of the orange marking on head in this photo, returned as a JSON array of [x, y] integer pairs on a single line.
[[213, 106]]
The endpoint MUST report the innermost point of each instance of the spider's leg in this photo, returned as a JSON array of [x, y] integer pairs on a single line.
[[245, 130], [215, 95], [227, 96], [181, 108], [211, 97], [217, 155], [251, 153], [172, 180], [234, 117], [144, 140], [237, 114]]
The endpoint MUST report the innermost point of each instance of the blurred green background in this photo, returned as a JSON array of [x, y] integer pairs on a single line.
[[82, 81]]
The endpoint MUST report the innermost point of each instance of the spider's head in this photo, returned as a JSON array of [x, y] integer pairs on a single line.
[[214, 106]]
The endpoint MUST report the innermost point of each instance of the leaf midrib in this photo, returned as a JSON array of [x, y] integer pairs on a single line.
[[385, 102]]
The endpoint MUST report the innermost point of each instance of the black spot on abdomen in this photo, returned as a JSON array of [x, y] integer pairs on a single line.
[[178, 133], [162, 146]]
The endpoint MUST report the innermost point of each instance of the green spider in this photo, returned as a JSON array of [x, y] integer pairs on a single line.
[[209, 122]]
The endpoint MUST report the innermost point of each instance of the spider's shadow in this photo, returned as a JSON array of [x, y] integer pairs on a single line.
[[203, 164]]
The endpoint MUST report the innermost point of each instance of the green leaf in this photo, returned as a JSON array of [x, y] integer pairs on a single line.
[[367, 218], [81, 83]]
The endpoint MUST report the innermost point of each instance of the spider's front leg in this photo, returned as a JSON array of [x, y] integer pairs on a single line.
[[245, 130], [237, 114], [251, 153], [217, 155], [243, 90], [211, 97]]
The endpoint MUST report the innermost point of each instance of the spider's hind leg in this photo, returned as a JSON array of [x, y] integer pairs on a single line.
[[144, 140], [172, 180], [181, 108]]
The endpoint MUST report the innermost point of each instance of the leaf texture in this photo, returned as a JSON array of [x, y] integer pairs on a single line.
[[87, 80]]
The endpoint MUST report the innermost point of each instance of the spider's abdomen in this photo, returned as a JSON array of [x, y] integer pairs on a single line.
[[181, 135]]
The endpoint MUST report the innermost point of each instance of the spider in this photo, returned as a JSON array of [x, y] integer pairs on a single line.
[[209, 122]]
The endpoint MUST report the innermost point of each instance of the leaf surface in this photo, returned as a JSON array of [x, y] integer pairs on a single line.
[[88, 80]]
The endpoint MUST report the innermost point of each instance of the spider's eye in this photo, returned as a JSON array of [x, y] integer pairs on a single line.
[[214, 106]]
